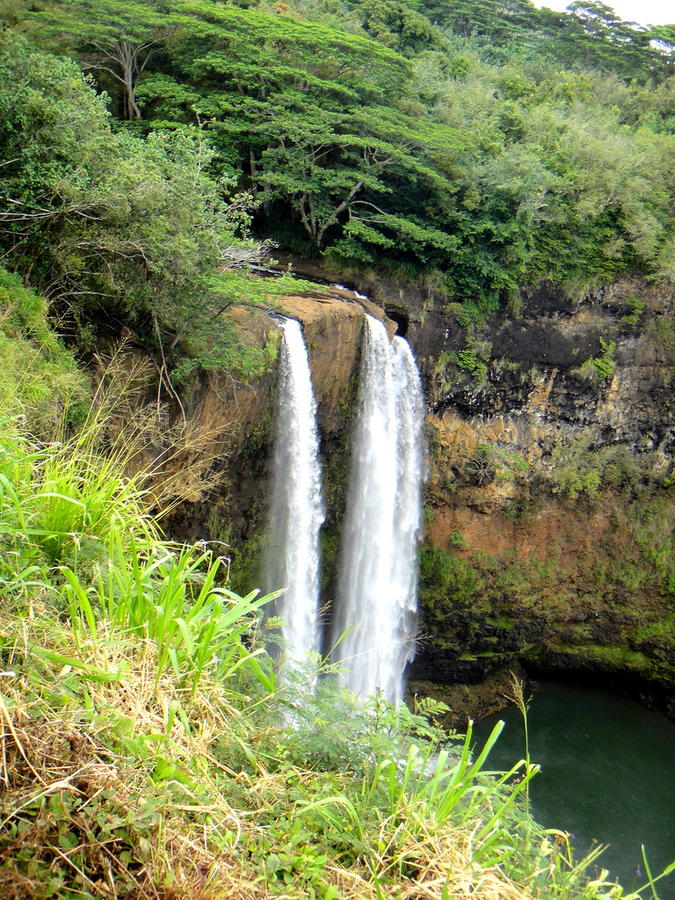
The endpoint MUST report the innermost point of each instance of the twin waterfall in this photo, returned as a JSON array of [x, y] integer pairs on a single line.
[[375, 608]]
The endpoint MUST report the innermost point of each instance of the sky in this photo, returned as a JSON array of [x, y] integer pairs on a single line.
[[646, 12]]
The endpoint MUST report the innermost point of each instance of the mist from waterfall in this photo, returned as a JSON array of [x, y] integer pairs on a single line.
[[377, 589], [296, 508]]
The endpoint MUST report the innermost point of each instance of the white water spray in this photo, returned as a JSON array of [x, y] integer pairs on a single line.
[[296, 510], [377, 591]]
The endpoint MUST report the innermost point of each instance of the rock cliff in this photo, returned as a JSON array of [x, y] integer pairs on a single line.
[[548, 517], [549, 502]]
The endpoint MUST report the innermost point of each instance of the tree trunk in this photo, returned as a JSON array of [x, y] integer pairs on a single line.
[[133, 112], [128, 61]]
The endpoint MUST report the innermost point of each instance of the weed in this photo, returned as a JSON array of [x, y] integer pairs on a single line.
[[491, 462]]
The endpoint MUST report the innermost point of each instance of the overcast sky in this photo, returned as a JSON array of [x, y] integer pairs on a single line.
[[646, 12]]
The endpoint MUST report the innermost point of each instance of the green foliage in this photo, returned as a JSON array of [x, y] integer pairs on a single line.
[[161, 595], [463, 142], [69, 505], [112, 225], [108, 223], [337, 732], [58, 825], [66, 498], [473, 359], [635, 309], [492, 462], [654, 529], [38, 377], [588, 34], [114, 38], [602, 366], [446, 583], [578, 468], [470, 361]]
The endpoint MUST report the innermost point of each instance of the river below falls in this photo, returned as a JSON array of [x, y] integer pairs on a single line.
[[607, 774]]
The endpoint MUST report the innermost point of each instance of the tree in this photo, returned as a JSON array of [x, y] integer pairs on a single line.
[[498, 20], [398, 25], [110, 36], [663, 40], [104, 223], [309, 111]]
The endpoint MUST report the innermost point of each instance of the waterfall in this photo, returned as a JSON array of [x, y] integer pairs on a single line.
[[296, 509], [377, 588]]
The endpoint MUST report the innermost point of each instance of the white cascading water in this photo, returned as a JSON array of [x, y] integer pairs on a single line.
[[296, 510], [377, 589]]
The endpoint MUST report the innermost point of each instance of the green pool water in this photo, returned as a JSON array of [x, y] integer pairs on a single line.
[[608, 774]]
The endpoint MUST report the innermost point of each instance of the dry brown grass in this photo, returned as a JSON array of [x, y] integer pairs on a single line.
[[60, 783], [436, 866], [57, 779], [177, 457], [58, 776], [81, 808]]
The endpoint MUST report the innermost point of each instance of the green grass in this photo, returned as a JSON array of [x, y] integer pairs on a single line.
[[38, 376], [146, 744]]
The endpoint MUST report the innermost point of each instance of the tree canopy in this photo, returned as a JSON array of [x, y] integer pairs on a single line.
[[483, 145], [98, 218]]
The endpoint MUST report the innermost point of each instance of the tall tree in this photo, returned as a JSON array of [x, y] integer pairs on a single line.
[[110, 36], [99, 220], [310, 111]]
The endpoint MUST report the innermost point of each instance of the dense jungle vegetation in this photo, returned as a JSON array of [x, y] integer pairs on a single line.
[[150, 152], [478, 149]]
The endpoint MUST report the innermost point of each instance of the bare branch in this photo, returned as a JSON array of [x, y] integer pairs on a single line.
[[368, 203]]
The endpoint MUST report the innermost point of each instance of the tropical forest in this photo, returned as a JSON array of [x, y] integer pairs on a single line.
[[336, 432]]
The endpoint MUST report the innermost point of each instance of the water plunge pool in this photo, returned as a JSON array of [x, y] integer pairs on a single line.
[[607, 774]]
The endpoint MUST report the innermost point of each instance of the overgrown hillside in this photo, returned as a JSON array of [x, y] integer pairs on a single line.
[[478, 149]]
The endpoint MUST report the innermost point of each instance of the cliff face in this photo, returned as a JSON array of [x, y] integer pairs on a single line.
[[557, 367], [548, 523]]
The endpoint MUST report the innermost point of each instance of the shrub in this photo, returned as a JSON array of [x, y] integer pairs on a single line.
[[38, 376], [446, 583], [635, 307], [601, 367], [578, 468], [494, 461]]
